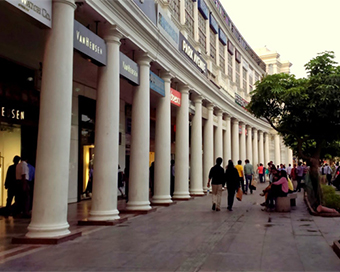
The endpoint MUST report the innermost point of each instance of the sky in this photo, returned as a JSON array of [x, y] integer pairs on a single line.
[[296, 29]]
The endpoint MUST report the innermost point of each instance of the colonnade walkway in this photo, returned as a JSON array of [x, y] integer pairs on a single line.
[[189, 236]]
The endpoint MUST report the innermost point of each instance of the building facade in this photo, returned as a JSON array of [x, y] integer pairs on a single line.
[[125, 83]]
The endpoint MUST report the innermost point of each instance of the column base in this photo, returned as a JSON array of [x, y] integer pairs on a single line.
[[181, 195], [48, 240], [164, 204], [88, 222], [161, 199], [138, 212], [104, 215], [47, 231], [138, 206], [183, 199], [197, 195]]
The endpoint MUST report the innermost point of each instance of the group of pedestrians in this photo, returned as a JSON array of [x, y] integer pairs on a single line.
[[19, 184]]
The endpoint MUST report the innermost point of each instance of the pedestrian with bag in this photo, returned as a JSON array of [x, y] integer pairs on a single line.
[[216, 176], [233, 183]]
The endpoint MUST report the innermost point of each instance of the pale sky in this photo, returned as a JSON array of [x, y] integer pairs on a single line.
[[296, 29]]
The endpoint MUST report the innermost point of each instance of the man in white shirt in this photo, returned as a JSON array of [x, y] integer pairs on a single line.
[[328, 172], [22, 176], [289, 169]]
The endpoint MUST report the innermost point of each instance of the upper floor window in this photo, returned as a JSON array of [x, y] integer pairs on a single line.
[[213, 45], [251, 80], [202, 36], [189, 16], [230, 66], [222, 58], [245, 80], [257, 77], [237, 74], [175, 8]]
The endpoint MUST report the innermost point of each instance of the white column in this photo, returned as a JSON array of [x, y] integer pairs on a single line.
[[208, 146], [182, 147], [104, 196], [235, 141], [289, 157], [250, 145], [163, 145], [49, 215], [277, 149], [140, 140], [219, 136], [227, 141], [243, 142], [255, 148], [196, 182], [266, 149], [261, 149]]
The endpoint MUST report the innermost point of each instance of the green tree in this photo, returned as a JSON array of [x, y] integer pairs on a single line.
[[305, 112]]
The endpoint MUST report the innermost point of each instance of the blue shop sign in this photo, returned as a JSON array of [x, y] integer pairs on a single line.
[[202, 7], [149, 9], [213, 24], [157, 84], [222, 37], [167, 27]]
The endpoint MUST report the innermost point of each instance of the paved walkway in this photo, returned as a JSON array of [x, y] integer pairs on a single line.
[[189, 236]]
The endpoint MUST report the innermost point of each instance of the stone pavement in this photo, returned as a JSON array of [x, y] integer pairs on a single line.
[[189, 236]]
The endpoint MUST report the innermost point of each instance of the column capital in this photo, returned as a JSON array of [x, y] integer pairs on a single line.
[[196, 98], [219, 112], [260, 132], [68, 2], [243, 125], [113, 35], [166, 76], [235, 121], [143, 59], [255, 130], [184, 89], [227, 117], [249, 127], [210, 106]]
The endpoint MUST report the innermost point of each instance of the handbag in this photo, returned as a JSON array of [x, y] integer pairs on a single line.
[[253, 184], [239, 194]]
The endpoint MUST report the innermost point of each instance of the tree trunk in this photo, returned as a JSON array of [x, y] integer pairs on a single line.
[[314, 195]]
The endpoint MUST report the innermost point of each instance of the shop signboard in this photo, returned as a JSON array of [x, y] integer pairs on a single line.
[[187, 49], [37, 9], [240, 101], [167, 27], [128, 69], [157, 84], [175, 97], [10, 113], [149, 9], [89, 44]]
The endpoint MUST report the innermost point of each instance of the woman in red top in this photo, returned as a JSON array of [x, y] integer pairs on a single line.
[[260, 170]]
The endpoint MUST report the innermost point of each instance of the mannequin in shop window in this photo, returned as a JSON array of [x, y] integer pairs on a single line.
[[88, 190]]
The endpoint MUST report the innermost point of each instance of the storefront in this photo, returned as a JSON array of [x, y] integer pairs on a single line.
[[19, 114]]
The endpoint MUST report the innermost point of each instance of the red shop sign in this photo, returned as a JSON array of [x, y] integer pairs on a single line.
[[175, 97]]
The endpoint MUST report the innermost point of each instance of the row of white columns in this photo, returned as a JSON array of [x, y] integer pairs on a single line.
[[49, 215]]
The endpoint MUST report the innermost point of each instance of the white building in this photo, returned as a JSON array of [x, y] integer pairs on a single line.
[[139, 81]]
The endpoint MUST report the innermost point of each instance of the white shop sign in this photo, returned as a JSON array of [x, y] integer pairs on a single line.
[[40, 10]]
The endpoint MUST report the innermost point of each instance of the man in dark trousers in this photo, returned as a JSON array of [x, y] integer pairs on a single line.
[[216, 174], [11, 185]]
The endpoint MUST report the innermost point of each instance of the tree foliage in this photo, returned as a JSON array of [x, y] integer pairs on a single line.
[[305, 111]]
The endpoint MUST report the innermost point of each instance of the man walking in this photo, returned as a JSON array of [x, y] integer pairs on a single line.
[[216, 174], [248, 172], [11, 185], [239, 168]]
